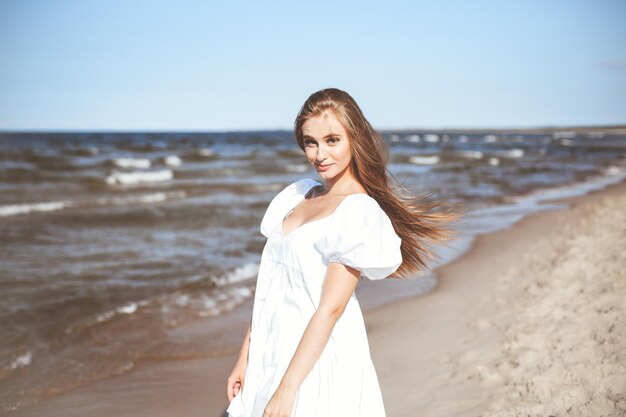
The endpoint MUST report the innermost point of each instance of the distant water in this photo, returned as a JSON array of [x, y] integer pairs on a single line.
[[109, 241]]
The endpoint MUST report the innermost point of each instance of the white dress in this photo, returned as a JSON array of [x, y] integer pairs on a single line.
[[343, 382]]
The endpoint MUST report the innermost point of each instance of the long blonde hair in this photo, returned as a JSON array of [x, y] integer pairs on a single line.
[[420, 221]]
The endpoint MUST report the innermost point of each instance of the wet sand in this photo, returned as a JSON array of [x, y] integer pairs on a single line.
[[528, 322]]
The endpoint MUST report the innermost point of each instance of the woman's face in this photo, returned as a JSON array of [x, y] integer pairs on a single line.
[[326, 145]]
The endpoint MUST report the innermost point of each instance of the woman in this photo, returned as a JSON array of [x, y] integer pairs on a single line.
[[306, 352]]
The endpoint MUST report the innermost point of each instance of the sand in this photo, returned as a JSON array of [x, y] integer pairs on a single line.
[[530, 322]]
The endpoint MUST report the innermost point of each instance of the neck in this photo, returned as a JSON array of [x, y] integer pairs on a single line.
[[342, 183]]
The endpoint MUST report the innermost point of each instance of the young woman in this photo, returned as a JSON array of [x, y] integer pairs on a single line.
[[306, 353]]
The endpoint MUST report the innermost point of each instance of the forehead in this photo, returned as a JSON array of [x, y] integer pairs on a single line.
[[323, 125]]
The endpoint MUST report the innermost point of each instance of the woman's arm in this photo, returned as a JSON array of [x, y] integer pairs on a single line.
[[235, 381], [245, 346], [339, 284]]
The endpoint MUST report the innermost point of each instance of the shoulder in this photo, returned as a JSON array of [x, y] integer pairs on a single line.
[[362, 236], [360, 207], [362, 217]]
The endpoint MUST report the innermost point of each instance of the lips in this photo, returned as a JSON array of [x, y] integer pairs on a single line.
[[322, 167]]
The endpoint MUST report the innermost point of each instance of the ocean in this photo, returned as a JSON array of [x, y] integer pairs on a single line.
[[112, 243]]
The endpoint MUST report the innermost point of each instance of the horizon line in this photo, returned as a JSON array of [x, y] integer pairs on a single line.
[[386, 129]]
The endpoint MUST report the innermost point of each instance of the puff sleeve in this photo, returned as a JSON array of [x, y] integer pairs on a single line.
[[282, 202], [361, 235]]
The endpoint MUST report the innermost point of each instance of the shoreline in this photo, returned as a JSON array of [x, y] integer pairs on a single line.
[[423, 375]]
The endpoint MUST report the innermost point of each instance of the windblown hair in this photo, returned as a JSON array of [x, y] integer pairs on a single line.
[[420, 221]]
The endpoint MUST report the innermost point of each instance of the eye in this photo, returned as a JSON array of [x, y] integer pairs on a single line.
[[309, 142], [333, 140]]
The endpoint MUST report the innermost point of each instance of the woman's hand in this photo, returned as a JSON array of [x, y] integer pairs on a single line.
[[236, 379], [281, 404]]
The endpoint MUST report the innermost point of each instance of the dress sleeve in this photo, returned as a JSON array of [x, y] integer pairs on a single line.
[[282, 202], [361, 235]]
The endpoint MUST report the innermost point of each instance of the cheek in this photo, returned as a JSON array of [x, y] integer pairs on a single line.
[[309, 153], [345, 153]]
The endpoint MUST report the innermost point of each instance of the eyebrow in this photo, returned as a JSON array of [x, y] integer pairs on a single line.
[[305, 137]]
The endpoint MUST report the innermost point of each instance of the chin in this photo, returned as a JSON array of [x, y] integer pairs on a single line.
[[327, 175]]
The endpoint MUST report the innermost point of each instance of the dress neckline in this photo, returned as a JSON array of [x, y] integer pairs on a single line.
[[280, 226]]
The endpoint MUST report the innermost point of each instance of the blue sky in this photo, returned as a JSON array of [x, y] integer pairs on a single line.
[[209, 66]]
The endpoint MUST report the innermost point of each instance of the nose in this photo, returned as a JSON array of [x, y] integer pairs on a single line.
[[321, 154]]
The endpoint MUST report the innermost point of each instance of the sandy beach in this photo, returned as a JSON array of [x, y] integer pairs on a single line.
[[530, 322]]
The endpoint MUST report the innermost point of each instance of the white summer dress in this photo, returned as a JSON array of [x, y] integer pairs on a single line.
[[343, 382]]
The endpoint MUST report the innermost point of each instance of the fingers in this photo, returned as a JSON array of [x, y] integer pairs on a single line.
[[233, 388], [230, 385]]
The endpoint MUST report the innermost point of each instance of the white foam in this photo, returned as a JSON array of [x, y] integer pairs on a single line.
[[424, 160], [13, 209], [221, 301], [512, 153], [469, 154], [567, 142], [612, 170], [173, 161], [494, 161], [132, 162], [238, 274], [490, 138], [137, 177], [99, 318], [22, 361], [127, 309]]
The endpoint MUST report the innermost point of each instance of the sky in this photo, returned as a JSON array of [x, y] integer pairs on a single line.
[[138, 65]]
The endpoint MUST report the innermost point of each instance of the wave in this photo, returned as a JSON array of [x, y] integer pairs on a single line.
[[490, 138], [494, 161], [509, 153], [128, 178], [241, 273], [468, 154], [22, 360], [13, 209], [144, 198], [132, 162], [16, 209], [89, 151], [125, 309], [200, 155], [425, 160], [172, 160]]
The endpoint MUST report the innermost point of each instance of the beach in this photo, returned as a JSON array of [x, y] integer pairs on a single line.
[[530, 322], [527, 323]]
